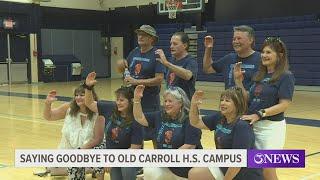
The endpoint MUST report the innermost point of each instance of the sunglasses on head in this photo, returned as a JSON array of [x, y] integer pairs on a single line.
[[175, 88], [236, 88], [273, 39]]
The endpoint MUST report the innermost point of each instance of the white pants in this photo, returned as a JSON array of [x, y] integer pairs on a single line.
[[269, 134], [162, 173], [216, 173]]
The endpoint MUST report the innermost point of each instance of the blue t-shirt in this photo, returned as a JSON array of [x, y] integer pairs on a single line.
[[172, 79], [171, 134], [236, 135], [119, 135], [145, 66], [225, 65], [265, 94]]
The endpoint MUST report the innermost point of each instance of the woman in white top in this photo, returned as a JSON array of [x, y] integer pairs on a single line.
[[82, 128]]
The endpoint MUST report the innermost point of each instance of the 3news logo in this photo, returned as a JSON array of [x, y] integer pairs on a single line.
[[276, 158]]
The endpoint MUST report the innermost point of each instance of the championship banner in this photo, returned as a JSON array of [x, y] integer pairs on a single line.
[[131, 158]]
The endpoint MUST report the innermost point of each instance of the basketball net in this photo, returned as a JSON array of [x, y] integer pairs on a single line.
[[173, 6]]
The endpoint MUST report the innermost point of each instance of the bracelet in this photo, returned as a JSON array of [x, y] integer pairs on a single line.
[[84, 85], [136, 102]]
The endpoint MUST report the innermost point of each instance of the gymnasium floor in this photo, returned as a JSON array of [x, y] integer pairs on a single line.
[[22, 125]]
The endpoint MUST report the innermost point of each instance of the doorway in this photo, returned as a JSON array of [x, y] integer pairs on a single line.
[[14, 57]]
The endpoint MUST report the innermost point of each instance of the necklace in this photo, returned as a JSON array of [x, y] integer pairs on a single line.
[[83, 114]]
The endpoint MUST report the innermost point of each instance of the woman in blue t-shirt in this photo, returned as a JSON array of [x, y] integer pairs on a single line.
[[121, 130], [269, 97], [172, 128], [230, 133]]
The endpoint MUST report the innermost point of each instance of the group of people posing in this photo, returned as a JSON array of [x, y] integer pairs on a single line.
[[259, 88]]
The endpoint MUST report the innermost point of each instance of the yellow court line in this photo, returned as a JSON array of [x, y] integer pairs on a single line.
[[31, 120], [311, 176]]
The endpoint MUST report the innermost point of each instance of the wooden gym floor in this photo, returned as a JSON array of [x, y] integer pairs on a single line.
[[22, 125]]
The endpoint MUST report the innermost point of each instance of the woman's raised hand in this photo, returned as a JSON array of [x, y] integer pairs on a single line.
[[138, 92], [91, 79], [197, 98], [237, 72], [51, 97]]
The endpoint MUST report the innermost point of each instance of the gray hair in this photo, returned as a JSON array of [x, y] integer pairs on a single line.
[[182, 97], [249, 30]]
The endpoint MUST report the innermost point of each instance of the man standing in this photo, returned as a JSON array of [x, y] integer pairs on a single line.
[[182, 68], [243, 42], [144, 68]]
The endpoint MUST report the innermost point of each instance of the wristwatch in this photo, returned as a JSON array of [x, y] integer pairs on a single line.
[[261, 113], [84, 85]]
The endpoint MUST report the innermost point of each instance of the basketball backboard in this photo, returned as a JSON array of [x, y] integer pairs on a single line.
[[187, 6]]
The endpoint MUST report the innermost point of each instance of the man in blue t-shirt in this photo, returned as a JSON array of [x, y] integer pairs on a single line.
[[182, 68], [243, 43], [144, 68]]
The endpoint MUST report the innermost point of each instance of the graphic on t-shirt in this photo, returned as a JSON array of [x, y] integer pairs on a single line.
[[221, 134], [258, 90], [115, 133], [172, 76], [137, 68], [168, 136]]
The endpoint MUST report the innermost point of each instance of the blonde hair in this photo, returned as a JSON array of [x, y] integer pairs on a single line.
[[182, 97]]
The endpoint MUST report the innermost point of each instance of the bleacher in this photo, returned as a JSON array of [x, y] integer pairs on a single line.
[[301, 34]]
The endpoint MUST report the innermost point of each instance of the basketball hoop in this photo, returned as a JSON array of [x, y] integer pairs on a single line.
[[173, 6]]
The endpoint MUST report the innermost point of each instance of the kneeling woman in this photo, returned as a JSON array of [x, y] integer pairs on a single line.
[[172, 128], [230, 133], [82, 128], [121, 130]]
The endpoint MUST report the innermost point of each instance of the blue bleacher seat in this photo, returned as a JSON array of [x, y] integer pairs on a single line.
[[300, 33]]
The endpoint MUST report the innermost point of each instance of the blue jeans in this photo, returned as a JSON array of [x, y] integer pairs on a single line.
[[123, 173]]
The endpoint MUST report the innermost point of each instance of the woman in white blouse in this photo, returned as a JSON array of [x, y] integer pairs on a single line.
[[82, 128]]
